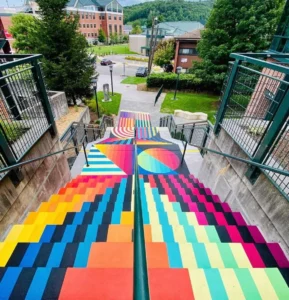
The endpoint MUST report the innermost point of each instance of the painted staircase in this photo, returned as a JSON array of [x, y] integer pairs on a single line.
[[79, 244]]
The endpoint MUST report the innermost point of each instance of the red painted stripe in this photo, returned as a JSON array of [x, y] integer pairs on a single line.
[[253, 255]]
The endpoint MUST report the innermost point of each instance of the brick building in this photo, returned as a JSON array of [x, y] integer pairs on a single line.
[[186, 49], [97, 14]]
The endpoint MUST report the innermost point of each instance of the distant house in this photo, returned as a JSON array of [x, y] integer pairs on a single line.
[[166, 30], [127, 29], [186, 49]]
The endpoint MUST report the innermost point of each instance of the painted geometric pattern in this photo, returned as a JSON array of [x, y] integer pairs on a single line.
[[79, 244], [122, 132], [131, 119]]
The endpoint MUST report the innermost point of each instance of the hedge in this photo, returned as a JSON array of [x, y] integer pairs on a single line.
[[168, 80], [144, 59]]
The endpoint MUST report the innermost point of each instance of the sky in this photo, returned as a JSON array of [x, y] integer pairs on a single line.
[[20, 2]]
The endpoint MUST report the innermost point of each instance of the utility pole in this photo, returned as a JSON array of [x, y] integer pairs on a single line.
[[151, 45], [153, 50]]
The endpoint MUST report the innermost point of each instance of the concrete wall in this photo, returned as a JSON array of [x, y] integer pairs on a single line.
[[136, 41], [41, 180], [261, 204], [58, 104]]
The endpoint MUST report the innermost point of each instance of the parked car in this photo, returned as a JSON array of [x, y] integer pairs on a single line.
[[106, 62], [141, 72]]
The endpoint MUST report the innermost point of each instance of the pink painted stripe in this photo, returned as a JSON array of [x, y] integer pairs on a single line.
[[253, 255], [226, 207], [220, 218], [216, 198], [256, 234], [208, 191], [279, 255], [239, 219], [193, 207], [234, 234], [201, 218], [202, 198], [210, 207]]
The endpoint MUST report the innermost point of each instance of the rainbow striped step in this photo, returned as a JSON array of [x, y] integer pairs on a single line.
[[134, 119]]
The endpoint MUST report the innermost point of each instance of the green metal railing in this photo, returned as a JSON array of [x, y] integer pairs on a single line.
[[25, 112], [140, 273]]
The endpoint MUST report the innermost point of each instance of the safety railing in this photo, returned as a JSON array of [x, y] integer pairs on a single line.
[[140, 273], [25, 112], [254, 111]]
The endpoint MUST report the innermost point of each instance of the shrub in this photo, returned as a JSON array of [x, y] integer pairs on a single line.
[[168, 80], [144, 59]]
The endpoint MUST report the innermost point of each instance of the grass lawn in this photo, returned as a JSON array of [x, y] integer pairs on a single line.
[[192, 102], [112, 49], [13, 130], [107, 108], [134, 80]]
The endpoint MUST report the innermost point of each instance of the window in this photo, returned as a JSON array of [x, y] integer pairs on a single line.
[[84, 34], [88, 34], [109, 17], [83, 25], [86, 16], [94, 25], [190, 51], [110, 28], [91, 25], [120, 29], [99, 17], [82, 16], [119, 18], [115, 17], [103, 17], [115, 28], [93, 16]]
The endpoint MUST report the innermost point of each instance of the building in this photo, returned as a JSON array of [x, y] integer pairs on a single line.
[[127, 29], [141, 43], [96, 15], [186, 49]]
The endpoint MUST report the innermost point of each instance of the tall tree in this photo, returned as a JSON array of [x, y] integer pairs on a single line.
[[234, 26], [136, 28], [165, 52], [23, 29], [67, 63], [101, 35]]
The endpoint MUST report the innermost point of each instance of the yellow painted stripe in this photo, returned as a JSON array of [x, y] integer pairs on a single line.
[[26, 233], [263, 284], [201, 234], [44, 206], [59, 218], [199, 284], [192, 219], [31, 218], [14, 233], [157, 233], [179, 234], [37, 233], [173, 218], [214, 255], [127, 218], [231, 284], [6, 251], [240, 255], [188, 256], [54, 198]]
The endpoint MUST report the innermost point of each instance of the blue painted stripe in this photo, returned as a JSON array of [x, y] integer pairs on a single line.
[[175, 259], [85, 206], [82, 255], [190, 234], [56, 255], [146, 219], [201, 256], [47, 234], [91, 233], [116, 215], [8, 282], [69, 233], [101, 170], [100, 162], [215, 284], [38, 284], [30, 255], [78, 218]]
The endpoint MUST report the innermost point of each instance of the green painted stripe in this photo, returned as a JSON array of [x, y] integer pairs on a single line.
[[215, 284], [278, 283], [212, 234], [247, 284], [227, 255], [201, 256]]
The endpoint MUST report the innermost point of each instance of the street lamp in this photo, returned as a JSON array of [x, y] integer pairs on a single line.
[[110, 69], [94, 84], [179, 70]]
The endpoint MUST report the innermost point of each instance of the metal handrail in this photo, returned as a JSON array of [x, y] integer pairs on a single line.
[[140, 273]]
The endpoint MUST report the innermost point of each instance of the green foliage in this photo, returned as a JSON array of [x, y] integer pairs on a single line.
[[165, 52], [101, 35], [23, 29], [191, 102], [105, 108], [136, 28], [134, 80], [144, 59], [234, 26], [167, 10], [13, 130], [186, 81]]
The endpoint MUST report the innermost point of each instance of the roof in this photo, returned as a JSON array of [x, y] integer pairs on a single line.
[[178, 28], [81, 3], [192, 35], [127, 27]]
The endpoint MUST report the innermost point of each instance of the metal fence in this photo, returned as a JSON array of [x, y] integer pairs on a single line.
[[254, 112], [25, 112]]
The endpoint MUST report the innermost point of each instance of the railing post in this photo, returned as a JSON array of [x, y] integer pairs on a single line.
[[43, 95], [207, 132], [270, 136], [85, 155], [182, 134], [226, 96], [85, 133], [184, 152]]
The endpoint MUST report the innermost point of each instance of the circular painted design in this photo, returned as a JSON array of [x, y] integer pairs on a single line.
[[158, 160]]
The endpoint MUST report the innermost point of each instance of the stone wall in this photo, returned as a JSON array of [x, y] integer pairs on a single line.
[[41, 180], [261, 204], [58, 103]]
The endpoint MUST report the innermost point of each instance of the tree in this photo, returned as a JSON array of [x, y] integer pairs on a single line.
[[23, 29], [67, 63], [234, 26], [101, 35], [165, 52], [136, 28]]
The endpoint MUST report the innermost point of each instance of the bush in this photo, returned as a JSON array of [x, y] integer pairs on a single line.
[[168, 80], [144, 59]]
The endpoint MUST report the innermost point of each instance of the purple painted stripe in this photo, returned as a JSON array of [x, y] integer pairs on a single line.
[[279, 255]]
